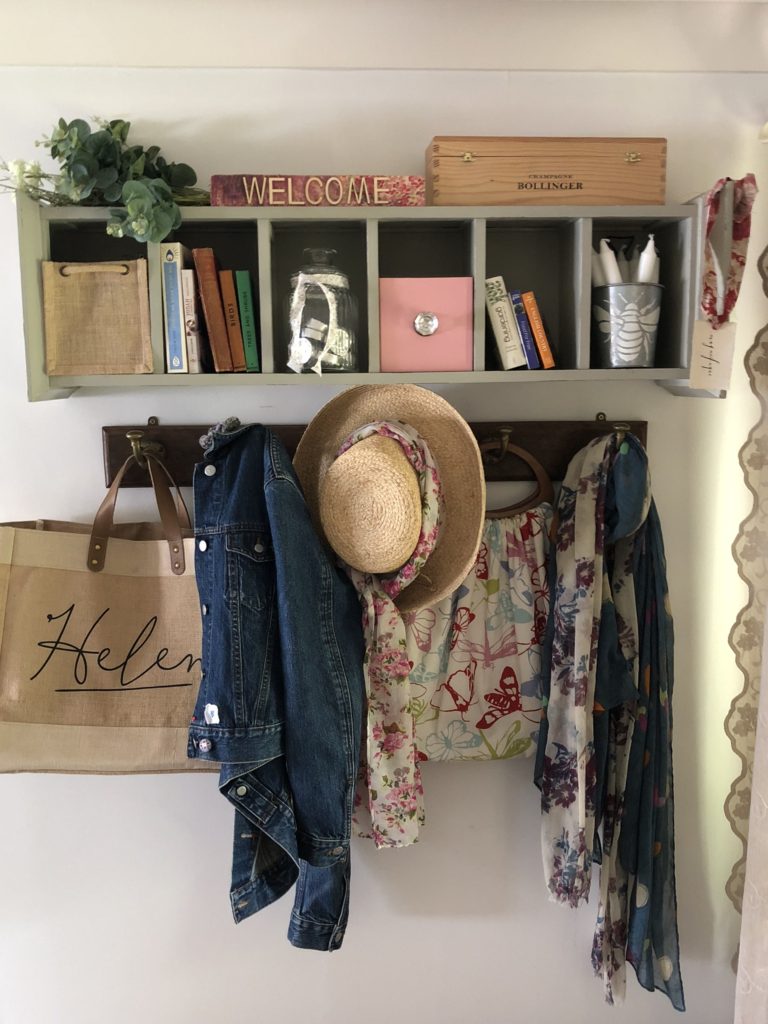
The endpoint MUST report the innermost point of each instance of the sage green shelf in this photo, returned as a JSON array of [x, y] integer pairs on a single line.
[[545, 249], [155, 380]]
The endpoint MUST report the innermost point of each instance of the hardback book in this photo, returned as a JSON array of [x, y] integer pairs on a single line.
[[317, 190], [524, 330], [213, 308], [504, 324], [537, 329], [192, 322], [232, 317], [174, 256], [247, 319]]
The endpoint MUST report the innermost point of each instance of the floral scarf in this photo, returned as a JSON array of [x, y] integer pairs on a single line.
[[390, 788], [604, 757]]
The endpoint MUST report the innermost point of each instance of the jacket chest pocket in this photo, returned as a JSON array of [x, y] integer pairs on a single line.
[[250, 569]]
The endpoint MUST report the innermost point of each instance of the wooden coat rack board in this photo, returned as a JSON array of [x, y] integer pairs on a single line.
[[552, 442]]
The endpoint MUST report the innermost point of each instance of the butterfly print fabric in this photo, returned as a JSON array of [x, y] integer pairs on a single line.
[[476, 655]]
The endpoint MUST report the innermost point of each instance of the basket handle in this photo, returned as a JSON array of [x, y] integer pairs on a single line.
[[67, 269]]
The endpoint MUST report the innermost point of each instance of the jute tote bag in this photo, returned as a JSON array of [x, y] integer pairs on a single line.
[[100, 640], [96, 318]]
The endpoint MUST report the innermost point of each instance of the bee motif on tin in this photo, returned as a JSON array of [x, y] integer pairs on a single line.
[[630, 325]]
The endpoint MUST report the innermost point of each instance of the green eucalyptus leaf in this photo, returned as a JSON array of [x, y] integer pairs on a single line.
[[161, 224], [161, 190], [105, 176], [135, 189], [182, 175], [100, 144], [112, 193], [82, 156], [80, 127], [139, 206], [80, 173], [152, 153]]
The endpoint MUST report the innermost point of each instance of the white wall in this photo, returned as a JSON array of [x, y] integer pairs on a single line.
[[577, 35], [113, 892]]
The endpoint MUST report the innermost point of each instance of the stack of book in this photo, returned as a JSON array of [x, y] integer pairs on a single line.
[[222, 338], [517, 327]]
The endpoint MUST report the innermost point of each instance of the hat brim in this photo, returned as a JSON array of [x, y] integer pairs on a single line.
[[458, 460]]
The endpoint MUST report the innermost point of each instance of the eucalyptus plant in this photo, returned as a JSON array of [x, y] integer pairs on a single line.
[[100, 168]]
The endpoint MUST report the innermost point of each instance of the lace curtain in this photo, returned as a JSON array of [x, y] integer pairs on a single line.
[[747, 886]]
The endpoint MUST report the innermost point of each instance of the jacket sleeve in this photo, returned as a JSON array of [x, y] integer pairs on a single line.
[[321, 650]]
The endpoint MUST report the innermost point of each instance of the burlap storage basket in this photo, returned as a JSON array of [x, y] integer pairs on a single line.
[[96, 318]]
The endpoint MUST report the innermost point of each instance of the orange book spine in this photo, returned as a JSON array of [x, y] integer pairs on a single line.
[[213, 308], [231, 315], [540, 335]]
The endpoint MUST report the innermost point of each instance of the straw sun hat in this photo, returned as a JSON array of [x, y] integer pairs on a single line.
[[366, 504]]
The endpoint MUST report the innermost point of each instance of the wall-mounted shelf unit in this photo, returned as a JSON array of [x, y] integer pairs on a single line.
[[543, 249]]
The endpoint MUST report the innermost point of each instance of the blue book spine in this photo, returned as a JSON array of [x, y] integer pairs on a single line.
[[175, 331], [524, 329]]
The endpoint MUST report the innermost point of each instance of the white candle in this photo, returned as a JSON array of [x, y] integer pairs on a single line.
[[623, 264], [598, 277], [610, 266], [648, 269], [634, 262]]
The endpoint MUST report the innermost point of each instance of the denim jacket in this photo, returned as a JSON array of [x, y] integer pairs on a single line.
[[282, 694]]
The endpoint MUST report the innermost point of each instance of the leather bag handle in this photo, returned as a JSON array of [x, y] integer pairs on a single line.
[[174, 516], [181, 506], [544, 489]]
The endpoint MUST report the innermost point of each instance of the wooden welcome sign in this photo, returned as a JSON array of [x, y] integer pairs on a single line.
[[317, 190]]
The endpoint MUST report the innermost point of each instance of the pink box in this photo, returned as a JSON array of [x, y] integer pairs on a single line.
[[402, 300]]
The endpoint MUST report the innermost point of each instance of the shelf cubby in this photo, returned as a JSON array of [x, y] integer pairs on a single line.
[[673, 237], [88, 242], [425, 248], [289, 239], [542, 256]]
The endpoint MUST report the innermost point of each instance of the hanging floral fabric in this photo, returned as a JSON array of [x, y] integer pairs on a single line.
[[476, 655], [721, 284], [389, 803], [604, 761]]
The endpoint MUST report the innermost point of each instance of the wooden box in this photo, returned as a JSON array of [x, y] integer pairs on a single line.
[[500, 171]]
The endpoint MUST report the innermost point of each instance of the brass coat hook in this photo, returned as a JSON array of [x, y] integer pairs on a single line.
[[621, 429], [502, 446], [140, 447]]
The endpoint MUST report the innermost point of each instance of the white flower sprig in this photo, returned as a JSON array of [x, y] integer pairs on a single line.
[[30, 178]]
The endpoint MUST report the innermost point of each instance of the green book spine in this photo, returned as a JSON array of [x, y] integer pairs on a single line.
[[247, 320]]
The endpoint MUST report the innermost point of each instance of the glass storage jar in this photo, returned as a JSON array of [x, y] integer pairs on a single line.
[[321, 314]]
